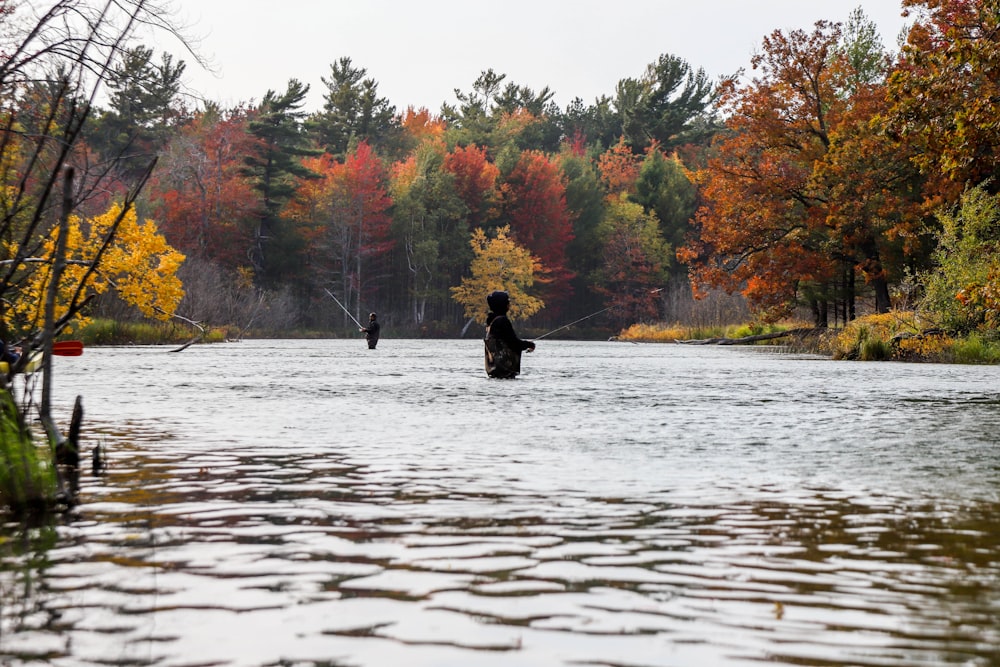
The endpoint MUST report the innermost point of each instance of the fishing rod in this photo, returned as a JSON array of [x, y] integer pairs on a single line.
[[565, 326], [342, 306], [587, 317]]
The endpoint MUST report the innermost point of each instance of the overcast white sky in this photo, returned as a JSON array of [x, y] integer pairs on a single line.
[[419, 52]]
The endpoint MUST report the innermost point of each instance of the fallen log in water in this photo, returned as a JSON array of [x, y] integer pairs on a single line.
[[747, 340]]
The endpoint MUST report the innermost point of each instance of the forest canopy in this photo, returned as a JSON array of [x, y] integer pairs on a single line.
[[824, 179]]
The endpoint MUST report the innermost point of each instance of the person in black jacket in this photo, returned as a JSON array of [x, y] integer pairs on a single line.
[[9, 353], [503, 347], [372, 331]]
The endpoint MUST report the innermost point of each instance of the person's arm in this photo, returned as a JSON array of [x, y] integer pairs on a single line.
[[8, 353], [504, 330]]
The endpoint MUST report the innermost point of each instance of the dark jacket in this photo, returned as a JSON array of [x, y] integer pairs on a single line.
[[371, 333], [8, 353], [503, 347]]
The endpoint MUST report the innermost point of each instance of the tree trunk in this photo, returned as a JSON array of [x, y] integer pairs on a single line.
[[821, 313], [882, 301], [851, 310], [875, 274]]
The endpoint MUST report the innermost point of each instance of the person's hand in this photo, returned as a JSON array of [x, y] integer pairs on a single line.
[[532, 348]]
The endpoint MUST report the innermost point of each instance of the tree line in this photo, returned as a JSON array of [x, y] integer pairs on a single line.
[[381, 207], [830, 176]]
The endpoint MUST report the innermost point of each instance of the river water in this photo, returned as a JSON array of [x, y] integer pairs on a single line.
[[315, 503]]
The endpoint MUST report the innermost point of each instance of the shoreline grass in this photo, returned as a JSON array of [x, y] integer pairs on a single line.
[[673, 333], [894, 336]]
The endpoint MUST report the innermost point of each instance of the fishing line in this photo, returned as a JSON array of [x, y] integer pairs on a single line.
[[587, 317], [342, 306]]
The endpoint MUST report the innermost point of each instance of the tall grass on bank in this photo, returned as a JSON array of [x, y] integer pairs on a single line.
[[111, 332], [975, 349], [671, 333], [27, 477]]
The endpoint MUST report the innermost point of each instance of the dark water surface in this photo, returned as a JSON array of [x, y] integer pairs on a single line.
[[315, 503]]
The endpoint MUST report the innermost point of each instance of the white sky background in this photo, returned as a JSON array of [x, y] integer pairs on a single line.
[[420, 52]]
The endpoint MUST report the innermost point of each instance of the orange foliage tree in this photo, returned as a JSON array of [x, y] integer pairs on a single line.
[[946, 94], [420, 125], [803, 191], [199, 194], [619, 169], [344, 217]]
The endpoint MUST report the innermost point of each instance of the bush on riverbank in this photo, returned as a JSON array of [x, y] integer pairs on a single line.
[[895, 336], [27, 477], [664, 333], [906, 336]]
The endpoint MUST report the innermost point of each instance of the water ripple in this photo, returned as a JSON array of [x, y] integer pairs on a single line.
[[604, 536]]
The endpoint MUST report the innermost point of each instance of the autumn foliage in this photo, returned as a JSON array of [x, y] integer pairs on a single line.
[[535, 205], [475, 182], [200, 195], [820, 180], [499, 263], [805, 191]]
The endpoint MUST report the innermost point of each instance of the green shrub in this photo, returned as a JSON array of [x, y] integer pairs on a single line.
[[975, 349], [874, 349], [961, 289], [27, 479]]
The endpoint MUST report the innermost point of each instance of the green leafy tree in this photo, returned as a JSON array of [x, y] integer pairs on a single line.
[[664, 190], [274, 168], [660, 106], [634, 261], [353, 112], [596, 126], [430, 223], [472, 121], [586, 207], [964, 288], [504, 116], [142, 109]]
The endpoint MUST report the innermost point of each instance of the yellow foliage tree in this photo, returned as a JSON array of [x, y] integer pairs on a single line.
[[139, 264], [499, 264]]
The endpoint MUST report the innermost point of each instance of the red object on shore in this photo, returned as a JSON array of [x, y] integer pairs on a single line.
[[68, 348]]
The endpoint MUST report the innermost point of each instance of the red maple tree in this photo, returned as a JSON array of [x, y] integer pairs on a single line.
[[202, 202], [475, 182], [535, 206]]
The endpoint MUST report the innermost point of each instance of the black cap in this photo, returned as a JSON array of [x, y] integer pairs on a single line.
[[498, 301]]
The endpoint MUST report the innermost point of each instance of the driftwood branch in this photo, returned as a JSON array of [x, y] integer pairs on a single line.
[[747, 340], [202, 331]]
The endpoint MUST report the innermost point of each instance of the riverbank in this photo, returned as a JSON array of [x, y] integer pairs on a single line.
[[895, 336]]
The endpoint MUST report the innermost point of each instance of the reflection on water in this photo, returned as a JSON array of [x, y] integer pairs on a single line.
[[290, 503]]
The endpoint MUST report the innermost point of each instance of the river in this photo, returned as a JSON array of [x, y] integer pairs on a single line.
[[318, 504]]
